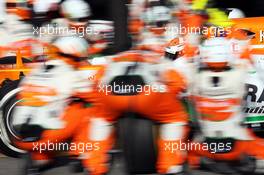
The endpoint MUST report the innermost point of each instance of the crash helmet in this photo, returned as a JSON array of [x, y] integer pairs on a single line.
[[20, 8], [157, 14], [72, 48], [235, 13], [40, 6], [101, 35], [216, 53], [101, 30], [46, 10], [77, 12], [174, 49]]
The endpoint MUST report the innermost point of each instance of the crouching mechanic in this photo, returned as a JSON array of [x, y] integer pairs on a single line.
[[217, 89], [134, 82], [51, 110]]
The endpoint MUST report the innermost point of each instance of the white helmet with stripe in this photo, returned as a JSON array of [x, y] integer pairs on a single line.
[[216, 52], [174, 49]]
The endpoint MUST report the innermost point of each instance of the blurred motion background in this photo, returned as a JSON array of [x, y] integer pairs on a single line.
[[116, 10]]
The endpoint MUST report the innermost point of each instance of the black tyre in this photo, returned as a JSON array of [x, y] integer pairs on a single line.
[[7, 103], [217, 166], [138, 142]]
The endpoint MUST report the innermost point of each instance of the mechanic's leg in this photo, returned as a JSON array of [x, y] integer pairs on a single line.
[[171, 158], [82, 141], [255, 149], [41, 158], [255, 145], [35, 162], [72, 118], [42, 152], [80, 137], [101, 137], [193, 160], [173, 131]]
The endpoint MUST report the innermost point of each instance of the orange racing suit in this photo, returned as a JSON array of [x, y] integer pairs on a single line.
[[51, 110], [136, 83], [218, 96]]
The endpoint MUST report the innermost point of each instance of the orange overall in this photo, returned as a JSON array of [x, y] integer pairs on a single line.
[[162, 106]]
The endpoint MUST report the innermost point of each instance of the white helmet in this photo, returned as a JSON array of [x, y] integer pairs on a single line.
[[75, 9], [175, 48], [235, 13], [157, 14], [102, 30], [216, 52], [40, 6], [72, 46]]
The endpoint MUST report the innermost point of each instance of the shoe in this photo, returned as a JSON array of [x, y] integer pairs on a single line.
[[181, 170], [76, 166], [29, 168]]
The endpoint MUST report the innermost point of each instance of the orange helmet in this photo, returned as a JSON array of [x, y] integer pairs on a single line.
[[21, 8]]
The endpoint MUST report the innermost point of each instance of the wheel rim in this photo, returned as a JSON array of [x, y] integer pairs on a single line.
[[3, 134], [9, 121]]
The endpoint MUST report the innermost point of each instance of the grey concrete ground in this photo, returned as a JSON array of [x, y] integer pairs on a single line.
[[11, 166]]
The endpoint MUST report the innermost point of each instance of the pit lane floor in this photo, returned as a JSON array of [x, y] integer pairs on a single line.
[[12, 166]]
